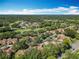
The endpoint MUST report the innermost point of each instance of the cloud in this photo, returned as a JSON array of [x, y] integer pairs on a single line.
[[73, 7], [58, 10]]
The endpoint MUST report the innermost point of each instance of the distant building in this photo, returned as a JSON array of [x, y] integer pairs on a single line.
[[7, 49], [8, 41], [61, 37]]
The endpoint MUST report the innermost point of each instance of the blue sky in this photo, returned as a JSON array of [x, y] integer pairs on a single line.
[[39, 6]]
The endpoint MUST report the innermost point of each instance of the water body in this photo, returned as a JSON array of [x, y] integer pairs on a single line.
[[75, 46]]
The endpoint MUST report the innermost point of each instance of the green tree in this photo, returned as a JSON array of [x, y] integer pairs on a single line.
[[70, 32], [70, 55], [51, 57]]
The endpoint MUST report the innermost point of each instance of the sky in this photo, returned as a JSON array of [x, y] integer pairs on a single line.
[[33, 7]]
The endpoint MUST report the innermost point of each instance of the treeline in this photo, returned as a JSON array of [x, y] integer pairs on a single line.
[[6, 19]]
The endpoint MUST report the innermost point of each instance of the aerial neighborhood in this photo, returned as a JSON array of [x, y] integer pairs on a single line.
[[39, 37]]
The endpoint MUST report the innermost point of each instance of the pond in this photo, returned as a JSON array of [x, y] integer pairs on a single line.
[[75, 46]]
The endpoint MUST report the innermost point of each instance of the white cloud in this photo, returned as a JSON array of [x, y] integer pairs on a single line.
[[58, 10], [73, 7]]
